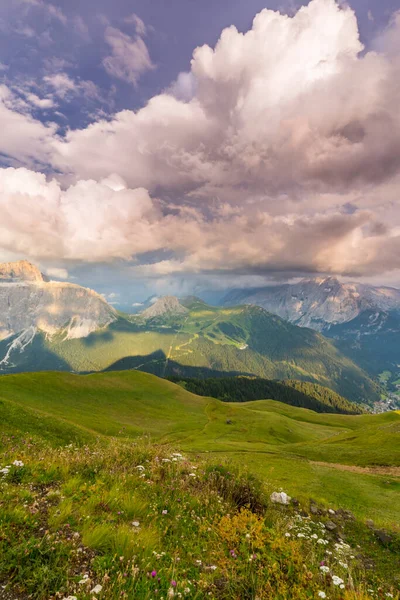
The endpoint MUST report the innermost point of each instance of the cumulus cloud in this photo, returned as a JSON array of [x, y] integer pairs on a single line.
[[129, 57], [105, 220], [278, 152]]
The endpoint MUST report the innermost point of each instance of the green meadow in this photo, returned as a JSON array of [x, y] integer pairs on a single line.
[[307, 453]]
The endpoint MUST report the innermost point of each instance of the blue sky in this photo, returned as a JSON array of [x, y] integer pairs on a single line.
[[271, 156], [33, 40]]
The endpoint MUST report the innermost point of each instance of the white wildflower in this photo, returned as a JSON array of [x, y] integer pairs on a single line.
[[97, 589], [324, 569]]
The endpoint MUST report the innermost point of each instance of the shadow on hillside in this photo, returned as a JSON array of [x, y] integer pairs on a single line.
[[35, 357], [157, 364]]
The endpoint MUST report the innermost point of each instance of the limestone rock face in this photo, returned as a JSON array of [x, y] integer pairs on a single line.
[[30, 303], [20, 271], [319, 303]]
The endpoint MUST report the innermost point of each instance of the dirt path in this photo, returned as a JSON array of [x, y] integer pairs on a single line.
[[391, 471]]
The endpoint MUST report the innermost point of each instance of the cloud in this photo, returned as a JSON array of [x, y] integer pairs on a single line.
[[279, 152], [61, 83], [49, 9], [57, 272], [23, 139], [289, 105], [129, 57], [105, 220], [138, 23]]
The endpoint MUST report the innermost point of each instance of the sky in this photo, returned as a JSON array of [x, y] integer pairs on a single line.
[[152, 147]]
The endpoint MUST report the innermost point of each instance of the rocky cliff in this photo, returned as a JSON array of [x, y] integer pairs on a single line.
[[29, 303], [318, 303]]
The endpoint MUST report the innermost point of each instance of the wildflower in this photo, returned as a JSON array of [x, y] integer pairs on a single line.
[[18, 463], [154, 573], [232, 553], [97, 589], [337, 580], [140, 467], [164, 512], [171, 593], [173, 583], [135, 523], [324, 569], [192, 474], [213, 567], [288, 535], [321, 595]]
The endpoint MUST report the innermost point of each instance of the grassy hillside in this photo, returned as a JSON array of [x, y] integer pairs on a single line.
[[282, 443], [126, 485], [206, 342], [296, 393]]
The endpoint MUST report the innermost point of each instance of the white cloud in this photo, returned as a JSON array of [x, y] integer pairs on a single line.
[[138, 23], [279, 151], [129, 57], [44, 103], [57, 272], [61, 83], [23, 139]]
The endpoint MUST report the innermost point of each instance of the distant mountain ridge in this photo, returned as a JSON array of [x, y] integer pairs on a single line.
[[318, 303]]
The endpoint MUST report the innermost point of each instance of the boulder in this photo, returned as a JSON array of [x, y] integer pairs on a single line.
[[280, 498]]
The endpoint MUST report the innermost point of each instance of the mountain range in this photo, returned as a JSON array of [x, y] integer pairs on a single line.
[[60, 326], [363, 320], [320, 303]]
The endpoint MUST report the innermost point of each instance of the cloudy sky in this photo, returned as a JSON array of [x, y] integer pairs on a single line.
[[152, 147]]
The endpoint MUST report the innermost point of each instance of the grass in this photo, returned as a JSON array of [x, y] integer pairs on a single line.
[[280, 443], [117, 519]]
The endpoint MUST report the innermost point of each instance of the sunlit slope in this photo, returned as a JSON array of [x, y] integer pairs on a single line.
[[287, 446], [132, 403], [211, 341]]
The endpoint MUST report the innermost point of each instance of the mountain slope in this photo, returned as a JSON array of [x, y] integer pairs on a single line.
[[52, 325], [318, 303], [209, 341]]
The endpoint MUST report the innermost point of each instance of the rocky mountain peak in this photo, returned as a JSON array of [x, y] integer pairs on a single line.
[[21, 270], [165, 305]]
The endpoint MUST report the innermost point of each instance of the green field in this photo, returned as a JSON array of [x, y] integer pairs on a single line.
[[126, 485], [280, 443]]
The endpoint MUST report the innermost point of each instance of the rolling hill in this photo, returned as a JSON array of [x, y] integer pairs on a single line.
[[279, 442], [125, 484]]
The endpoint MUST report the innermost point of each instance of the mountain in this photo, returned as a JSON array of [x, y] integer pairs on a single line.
[[20, 271], [31, 305], [54, 325], [319, 303], [198, 341], [166, 305]]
